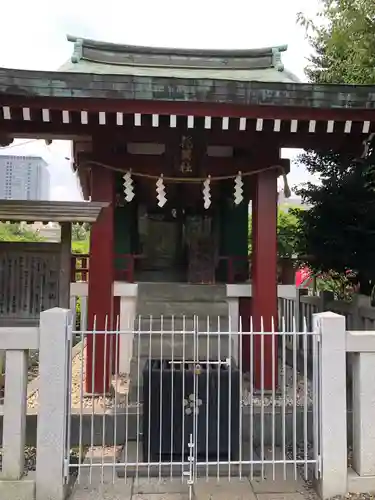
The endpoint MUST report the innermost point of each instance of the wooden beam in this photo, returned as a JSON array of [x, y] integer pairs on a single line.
[[240, 139], [154, 165], [186, 108]]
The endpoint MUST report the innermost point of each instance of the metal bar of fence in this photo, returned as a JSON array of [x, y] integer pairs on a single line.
[[283, 389], [191, 332], [187, 408]]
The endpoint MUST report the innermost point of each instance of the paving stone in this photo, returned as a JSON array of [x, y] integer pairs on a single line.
[[273, 480], [98, 476], [278, 485], [101, 487], [222, 489], [114, 491], [155, 486], [17, 490], [160, 496], [280, 496]]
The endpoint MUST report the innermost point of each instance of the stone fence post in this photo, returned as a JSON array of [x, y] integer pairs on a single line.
[[55, 328], [333, 409], [128, 305]]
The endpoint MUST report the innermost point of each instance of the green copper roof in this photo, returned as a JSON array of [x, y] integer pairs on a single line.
[[264, 65]]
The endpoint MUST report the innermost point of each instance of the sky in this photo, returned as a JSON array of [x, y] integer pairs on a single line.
[[36, 40]]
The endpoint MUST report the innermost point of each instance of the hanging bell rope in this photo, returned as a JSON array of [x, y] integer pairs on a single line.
[[197, 180]]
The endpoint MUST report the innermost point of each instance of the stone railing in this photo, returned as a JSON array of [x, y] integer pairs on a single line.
[[51, 339], [296, 309], [16, 342]]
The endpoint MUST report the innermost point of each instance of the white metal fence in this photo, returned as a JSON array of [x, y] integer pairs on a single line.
[[269, 419], [200, 399]]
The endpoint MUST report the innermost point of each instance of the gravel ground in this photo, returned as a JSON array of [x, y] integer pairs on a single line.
[[290, 388], [30, 458], [309, 492], [33, 365], [356, 496], [121, 382], [120, 385], [32, 373]]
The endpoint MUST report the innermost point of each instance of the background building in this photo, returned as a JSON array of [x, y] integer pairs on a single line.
[[24, 178]]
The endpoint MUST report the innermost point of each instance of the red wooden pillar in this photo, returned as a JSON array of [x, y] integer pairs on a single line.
[[101, 278], [264, 277]]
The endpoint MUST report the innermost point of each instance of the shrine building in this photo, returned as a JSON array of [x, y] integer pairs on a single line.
[[178, 143]]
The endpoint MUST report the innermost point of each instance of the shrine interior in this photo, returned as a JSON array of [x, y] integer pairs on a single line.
[[183, 241]]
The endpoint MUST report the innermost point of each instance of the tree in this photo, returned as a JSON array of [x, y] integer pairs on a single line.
[[15, 232], [343, 40], [287, 233], [338, 232], [80, 231], [80, 238]]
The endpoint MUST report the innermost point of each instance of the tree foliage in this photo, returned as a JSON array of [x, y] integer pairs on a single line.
[[15, 232], [80, 231], [80, 238], [338, 232], [287, 233], [343, 40]]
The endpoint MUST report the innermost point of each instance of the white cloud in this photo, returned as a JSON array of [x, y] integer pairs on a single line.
[[36, 40]]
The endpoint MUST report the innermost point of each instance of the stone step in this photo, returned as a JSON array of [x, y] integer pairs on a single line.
[[176, 308], [181, 346], [181, 292], [181, 323]]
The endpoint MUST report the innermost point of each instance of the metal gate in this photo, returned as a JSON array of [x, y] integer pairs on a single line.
[[191, 397]]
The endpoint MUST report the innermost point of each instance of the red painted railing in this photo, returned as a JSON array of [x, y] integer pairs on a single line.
[[80, 266], [125, 271], [231, 270]]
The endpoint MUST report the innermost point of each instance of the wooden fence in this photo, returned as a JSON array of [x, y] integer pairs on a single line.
[[29, 280]]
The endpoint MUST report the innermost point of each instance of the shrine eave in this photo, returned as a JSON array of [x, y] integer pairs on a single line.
[[50, 211], [137, 94], [170, 51], [94, 57]]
